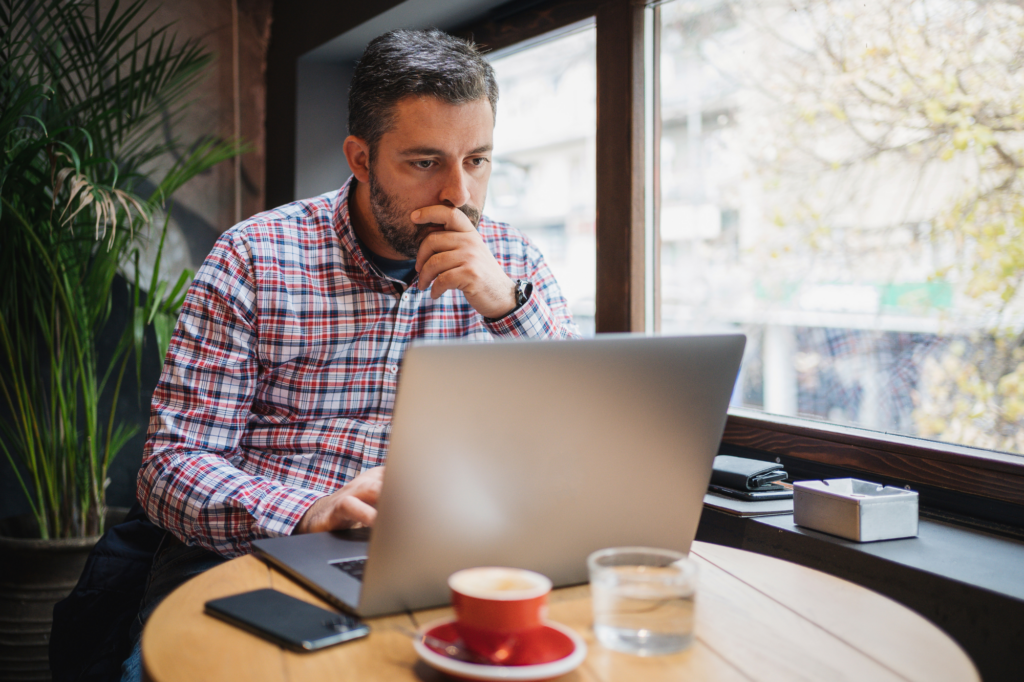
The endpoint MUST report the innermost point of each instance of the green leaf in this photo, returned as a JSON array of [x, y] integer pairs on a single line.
[[86, 86], [163, 324], [156, 296]]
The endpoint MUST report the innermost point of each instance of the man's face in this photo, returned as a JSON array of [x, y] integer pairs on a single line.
[[435, 154]]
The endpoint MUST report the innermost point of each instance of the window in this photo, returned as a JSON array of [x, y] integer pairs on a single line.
[[544, 158], [842, 182], [819, 298]]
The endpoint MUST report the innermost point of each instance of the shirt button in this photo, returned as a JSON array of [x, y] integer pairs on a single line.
[[393, 369], [405, 297]]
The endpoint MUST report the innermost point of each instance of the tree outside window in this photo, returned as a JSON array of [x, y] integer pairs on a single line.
[[843, 180]]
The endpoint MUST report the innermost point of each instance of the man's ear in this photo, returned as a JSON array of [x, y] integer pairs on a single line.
[[357, 153]]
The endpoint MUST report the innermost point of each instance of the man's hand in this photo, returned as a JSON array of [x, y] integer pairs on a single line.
[[456, 257], [355, 503]]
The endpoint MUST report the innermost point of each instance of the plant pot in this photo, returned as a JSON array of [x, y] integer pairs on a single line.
[[35, 574]]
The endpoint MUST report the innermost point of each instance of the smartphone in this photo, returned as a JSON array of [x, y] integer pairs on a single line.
[[287, 621], [775, 491]]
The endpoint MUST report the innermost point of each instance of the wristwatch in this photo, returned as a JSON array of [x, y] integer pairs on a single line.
[[522, 291]]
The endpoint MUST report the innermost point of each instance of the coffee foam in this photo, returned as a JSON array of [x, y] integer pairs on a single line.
[[492, 582]]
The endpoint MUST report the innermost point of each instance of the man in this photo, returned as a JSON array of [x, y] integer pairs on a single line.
[[273, 411]]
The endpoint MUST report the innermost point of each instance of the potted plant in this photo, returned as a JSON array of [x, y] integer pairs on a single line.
[[85, 91]]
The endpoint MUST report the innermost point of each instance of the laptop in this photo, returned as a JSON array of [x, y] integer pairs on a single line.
[[530, 454]]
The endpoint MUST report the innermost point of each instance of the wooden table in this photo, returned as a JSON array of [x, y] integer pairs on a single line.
[[758, 618]]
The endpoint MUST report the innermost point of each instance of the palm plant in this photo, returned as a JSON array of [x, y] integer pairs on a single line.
[[84, 94]]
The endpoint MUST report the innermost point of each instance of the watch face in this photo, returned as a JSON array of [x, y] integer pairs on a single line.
[[522, 292]]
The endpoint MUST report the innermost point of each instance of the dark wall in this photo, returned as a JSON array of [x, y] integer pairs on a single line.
[[322, 126], [132, 404], [298, 27]]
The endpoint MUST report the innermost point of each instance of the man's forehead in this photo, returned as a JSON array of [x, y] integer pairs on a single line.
[[430, 127]]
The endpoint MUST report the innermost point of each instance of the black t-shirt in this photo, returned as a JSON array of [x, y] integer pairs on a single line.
[[403, 270]]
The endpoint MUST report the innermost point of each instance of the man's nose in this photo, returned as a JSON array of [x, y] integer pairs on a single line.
[[455, 191]]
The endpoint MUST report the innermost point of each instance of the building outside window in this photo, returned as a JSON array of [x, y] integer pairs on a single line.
[[543, 181], [842, 181]]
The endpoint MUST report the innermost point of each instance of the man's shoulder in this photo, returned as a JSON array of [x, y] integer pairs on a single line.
[[295, 218]]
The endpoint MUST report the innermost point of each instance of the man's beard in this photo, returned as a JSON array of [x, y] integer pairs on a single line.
[[391, 218]]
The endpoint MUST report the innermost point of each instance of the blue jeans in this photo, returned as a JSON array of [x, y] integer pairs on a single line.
[[174, 564]]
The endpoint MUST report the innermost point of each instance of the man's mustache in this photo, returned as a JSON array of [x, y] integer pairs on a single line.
[[471, 212]]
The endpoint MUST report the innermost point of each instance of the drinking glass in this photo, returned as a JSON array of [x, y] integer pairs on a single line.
[[643, 599]]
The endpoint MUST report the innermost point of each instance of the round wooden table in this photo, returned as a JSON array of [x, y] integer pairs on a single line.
[[757, 618]]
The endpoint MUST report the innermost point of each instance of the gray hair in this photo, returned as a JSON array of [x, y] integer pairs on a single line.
[[403, 63]]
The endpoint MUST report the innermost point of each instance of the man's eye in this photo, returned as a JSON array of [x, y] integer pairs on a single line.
[[425, 163], [480, 161]]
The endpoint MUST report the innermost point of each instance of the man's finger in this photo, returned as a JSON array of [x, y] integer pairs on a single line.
[[374, 476], [353, 510], [440, 263], [437, 242], [371, 473], [453, 219], [456, 279], [368, 492], [442, 283]]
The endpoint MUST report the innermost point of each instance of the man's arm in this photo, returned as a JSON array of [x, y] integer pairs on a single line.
[[459, 258], [189, 482], [545, 314]]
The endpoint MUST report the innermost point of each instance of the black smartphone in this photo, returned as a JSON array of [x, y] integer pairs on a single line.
[[775, 491], [287, 621]]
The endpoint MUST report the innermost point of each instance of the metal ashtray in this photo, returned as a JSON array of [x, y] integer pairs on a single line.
[[854, 509]]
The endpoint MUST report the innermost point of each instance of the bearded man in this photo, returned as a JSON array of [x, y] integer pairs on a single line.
[[273, 411]]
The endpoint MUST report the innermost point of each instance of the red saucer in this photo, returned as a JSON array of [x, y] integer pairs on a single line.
[[550, 652], [543, 645]]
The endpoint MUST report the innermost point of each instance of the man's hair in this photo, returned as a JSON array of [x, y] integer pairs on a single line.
[[403, 63]]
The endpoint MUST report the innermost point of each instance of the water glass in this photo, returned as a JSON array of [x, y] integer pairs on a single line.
[[643, 599]]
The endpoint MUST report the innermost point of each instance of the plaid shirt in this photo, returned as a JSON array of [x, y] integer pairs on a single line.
[[281, 376]]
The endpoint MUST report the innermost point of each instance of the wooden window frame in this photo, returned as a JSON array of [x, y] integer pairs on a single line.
[[992, 482], [620, 139]]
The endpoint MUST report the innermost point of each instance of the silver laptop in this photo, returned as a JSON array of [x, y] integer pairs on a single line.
[[529, 454]]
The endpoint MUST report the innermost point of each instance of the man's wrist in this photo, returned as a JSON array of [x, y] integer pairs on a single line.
[[308, 517], [521, 292]]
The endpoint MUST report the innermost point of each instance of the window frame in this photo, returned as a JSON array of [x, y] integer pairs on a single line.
[[939, 469], [620, 224]]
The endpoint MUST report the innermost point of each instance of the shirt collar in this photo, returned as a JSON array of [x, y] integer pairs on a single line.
[[347, 233]]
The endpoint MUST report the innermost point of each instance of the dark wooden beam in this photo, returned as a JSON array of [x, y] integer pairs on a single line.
[[506, 26], [280, 145], [656, 122], [620, 167]]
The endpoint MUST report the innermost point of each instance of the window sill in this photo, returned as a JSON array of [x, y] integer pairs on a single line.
[[967, 482]]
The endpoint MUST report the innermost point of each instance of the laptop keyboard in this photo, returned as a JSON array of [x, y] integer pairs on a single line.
[[354, 567]]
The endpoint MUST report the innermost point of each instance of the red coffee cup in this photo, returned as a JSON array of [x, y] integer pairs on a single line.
[[497, 609]]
